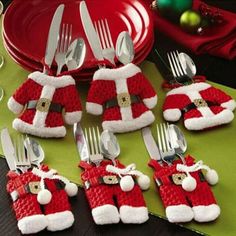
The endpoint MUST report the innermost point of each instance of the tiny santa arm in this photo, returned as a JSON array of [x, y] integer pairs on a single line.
[[148, 94], [95, 98], [73, 108], [18, 100]]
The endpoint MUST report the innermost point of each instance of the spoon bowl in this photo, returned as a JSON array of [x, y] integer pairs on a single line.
[[188, 64]]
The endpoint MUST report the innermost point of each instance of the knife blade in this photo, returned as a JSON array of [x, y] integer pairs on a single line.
[[8, 149], [90, 32], [81, 142], [150, 144], [53, 36]]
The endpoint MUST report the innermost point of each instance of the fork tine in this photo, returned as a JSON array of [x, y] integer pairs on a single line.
[[174, 63], [167, 135], [99, 137], [62, 38], [105, 34], [163, 137], [109, 34], [159, 139], [91, 141], [171, 65], [95, 140], [100, 33], [179, 66]]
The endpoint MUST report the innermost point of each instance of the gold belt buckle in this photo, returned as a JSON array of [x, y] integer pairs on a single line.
[[110, 179], [43, 104], [123, 100], [200, 102], [34, 187], [178, 178]]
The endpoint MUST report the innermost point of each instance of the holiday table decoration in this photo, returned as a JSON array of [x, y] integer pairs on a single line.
[[184, 190], [201, 105], [41, 188], [124, 96], [43, 103], [106, 182]]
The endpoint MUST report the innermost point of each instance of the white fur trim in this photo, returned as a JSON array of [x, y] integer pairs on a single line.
[[44, 132], [94, 108], [172, 114], [72, 117], [32, 224], [106, 214], [121, 126], [179, 213], [206, 213], [150, 102], [14, 106], [195, 87], [200, 123], [57, 82], [133, 215], [60, 220], [123, 72], [231, 104]]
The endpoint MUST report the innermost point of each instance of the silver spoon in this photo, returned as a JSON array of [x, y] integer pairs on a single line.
[[188, 64], [35, 151], [110, 147], [75, 54], [124, 48], [178, 141]]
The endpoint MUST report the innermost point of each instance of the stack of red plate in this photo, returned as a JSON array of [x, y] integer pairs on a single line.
[[26, 25]]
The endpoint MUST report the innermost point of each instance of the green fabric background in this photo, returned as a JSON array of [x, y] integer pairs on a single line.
[[216, 147]]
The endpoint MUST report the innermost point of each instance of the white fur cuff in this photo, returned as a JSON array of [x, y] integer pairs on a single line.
[[206, 213], [73, 117], [60, 220], [150, 102], [106, 214], [172, 114], [179, 213], [231, 104], [32, 224], [133, 215], [94, 108], [14, 106]]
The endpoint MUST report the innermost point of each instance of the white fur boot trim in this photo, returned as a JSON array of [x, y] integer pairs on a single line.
[[179, 213], [133, 215], [32, 224], [106, 214], [206, 213], [60, 220]]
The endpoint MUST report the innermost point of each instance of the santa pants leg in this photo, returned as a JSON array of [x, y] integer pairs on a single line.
[[175, 202], [58, 211], [204, 204], [29, 215], [132, 205], [102, 204]]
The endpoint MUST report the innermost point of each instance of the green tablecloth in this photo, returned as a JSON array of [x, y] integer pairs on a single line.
[[216, 147]]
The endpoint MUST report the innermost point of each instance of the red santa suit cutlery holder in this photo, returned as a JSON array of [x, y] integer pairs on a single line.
[[40, 102], [124, 96], [202, 106], [185, 191]]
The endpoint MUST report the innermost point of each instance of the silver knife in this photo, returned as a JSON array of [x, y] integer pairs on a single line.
[[8, 149], [90, 32], [150, 144], [53, 36], [81, 142]]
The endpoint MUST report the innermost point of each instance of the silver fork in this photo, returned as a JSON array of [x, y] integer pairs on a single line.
[[164, 143], [104, 34], [177, 68], [63, 45], [22, 162], [92, 137]]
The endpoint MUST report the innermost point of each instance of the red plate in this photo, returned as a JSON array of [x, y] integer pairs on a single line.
[[26, 24]]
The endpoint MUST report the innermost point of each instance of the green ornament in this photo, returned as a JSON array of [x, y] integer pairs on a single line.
[[190, 21]]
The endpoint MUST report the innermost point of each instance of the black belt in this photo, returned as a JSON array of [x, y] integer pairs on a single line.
[[44, 105], [199, 103], [114, 102]]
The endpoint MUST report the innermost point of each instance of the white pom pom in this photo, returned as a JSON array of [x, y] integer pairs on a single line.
[[143, 182], [189, 184], [44, 197], [71, 189], [126, 183], [212, 177]]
